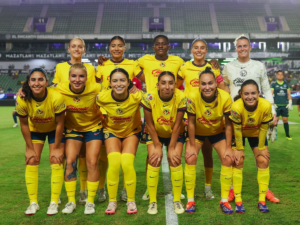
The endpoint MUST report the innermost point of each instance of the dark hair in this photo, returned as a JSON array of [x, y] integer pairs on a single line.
[[209, 71], [121, 70], [278, 71], [199, 39], [25, 87], [117, 38], [165, 73], [247, 82], [161, 36]]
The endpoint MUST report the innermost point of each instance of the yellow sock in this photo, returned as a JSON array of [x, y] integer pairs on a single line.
[[82, 173], [152, 182], [177, 181], [237, 182], [71, 189], [114, 162], [103, 164], [32, 179], [129, 175], [225, 179], [208, 175], [57, 176], [263, 178], [190, 180], [92, 190]]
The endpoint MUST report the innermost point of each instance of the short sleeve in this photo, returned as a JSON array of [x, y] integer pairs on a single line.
[[137, 71], [268, 115], [181, 73], [191, 107], [145, 103], [21, 108], [57, 75], [141, 62], [99, 73], [59, 105], [182, 103], [235, 115], [227, 106]]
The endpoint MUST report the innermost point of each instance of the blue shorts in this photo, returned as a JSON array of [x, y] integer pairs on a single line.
[[212, 139], [85, 136], [40, 138], [164, 141], [111, 135], [253, 142]]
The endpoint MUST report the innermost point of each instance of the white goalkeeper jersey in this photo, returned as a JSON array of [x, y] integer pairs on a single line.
[[235, 73]]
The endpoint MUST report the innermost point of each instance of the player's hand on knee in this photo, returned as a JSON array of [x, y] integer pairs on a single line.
[[156, 157], [229, 152], [57, 156], [264, 153], [174, 158], [239, 156], [191, 151], [31, 157]]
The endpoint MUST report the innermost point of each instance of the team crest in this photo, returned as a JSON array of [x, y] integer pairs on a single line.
[[149, 97], [207, 112], [76, 100], [162, 64], [119, 111], [106, 135], [40, 112], [243, 73], [68, 131], [234, 115], [251, 120], [166, 112]]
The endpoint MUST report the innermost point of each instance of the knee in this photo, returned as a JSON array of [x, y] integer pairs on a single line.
[[154, 162], [174, 164], [53, 160], [191, 160], [284, 120], [262, 162], [227, 161], [92, 165], [34, 161]]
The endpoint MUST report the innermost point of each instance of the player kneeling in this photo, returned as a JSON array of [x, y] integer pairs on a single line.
[[251, 116], [41, 114], [206, 108], [164, 109], [122, 129]]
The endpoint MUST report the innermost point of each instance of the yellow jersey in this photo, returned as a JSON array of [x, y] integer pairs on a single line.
[[251, 121], [103, 72], [62, 72], [209, 119], [189, 72], [123, 117], [152, 67], [41, 114], [82, 112], [164, 113]]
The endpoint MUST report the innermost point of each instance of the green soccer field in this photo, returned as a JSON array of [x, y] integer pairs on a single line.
[[284, 182]]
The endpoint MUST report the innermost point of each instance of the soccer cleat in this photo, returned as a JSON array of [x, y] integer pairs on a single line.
[[190, 207], [32, 209], [123, 195], [89, 208], [111, 208], [289, 138], [15, 125], [262, 207], [208, 193], [226, 207], [101, 195], [152, 208], [52, 209], [270, 196], [239, 207], [131, 207], [178, 207], [83, 197], [69, 208], [273, 134], [146, 195], [231, 195]]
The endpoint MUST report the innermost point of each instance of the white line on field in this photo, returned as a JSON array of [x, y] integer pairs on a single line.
[[292, 123], [171, 216]]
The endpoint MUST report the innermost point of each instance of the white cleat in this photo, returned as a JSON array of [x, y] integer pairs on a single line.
[[83, 197], [89, 208], [208, 193], [101, 195], [15, 125], [32, 209], [152, 208], [69, 208], [146, 195], [52, 209]]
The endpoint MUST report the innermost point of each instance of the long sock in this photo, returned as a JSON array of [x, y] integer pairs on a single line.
[[71, 189], [263, 178], [82, 173], [103, 164], [92, 187], [177, 182], [57, 177], [225, 179], [152, 182], [114, 162], [190, 180], [237, 180], [32, 179], [286, 129], [129, 175], [15, 117], [208, 175]]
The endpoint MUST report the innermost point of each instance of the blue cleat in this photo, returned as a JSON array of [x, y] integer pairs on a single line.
[[239, 207], [190, 207], [262, 207], [226, 207]]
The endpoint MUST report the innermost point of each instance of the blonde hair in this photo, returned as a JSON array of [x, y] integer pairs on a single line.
[[78, 66], [78, 38]]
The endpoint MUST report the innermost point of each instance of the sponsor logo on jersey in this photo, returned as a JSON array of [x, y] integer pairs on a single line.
[[117, 119], [35, 119], [40, 112], [238, 82], [166, 112], [251, 120], [72, 108], [76, 100], [163, 121], [246, 127], [194, 82], [208, 112], [162, 64], [156, 72], [119, 111], [149, 97], [243, 73], [205, 121]]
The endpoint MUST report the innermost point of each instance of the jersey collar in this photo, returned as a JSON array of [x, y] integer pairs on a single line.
[[117, 61], [75, 92], [46, 93], [249, 109], [162, 59], [279, 83], [200, 65], [164, 100], [72, 64], [112, 95]]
